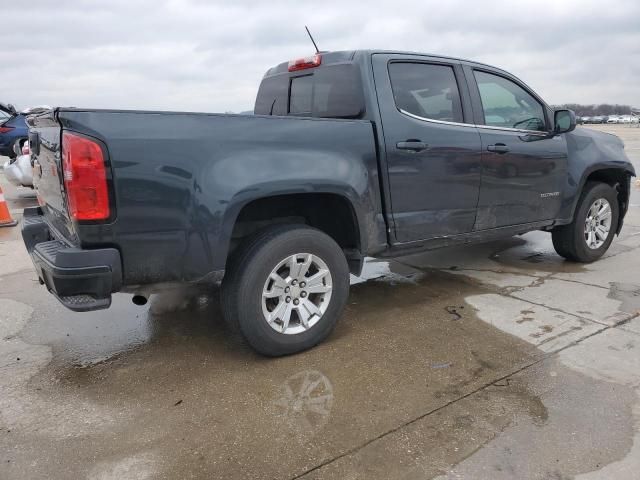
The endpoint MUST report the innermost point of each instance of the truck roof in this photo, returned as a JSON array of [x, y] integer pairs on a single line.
[[342, 56]]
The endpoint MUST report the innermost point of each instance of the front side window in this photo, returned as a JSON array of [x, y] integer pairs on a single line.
[[426, 90], [506, 104]]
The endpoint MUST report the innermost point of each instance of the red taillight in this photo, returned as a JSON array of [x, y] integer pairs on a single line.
[[85, 178], [304, 63], [5, 129]]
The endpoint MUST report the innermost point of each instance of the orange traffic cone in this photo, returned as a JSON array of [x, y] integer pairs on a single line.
[[5, 216]]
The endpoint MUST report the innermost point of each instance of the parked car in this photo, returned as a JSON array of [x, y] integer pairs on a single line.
[[613, 119], [586, 120], [348, 155], [597, 119], [13, 130]]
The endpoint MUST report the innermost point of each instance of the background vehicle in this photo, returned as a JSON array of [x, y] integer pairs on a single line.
[[13, 130], [597, 119], [349, 154], [613, 119]]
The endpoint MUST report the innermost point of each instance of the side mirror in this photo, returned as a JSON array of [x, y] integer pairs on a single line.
[[563, 121]]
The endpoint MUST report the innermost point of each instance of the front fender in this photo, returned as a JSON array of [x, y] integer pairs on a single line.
[[590, 151]]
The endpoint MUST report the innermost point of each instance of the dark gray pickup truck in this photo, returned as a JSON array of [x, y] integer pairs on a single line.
[[348, 154]]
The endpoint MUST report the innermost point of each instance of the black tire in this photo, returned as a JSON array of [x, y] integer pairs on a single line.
[[569, 240], [19, 142], [248, 270]]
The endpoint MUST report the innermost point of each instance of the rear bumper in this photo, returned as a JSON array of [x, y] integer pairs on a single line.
[[81, 280]]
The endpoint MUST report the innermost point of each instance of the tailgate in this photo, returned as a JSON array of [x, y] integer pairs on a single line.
[[45, 139]]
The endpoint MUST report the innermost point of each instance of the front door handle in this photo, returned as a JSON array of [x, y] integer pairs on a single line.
[[412, 145], [498, 148]]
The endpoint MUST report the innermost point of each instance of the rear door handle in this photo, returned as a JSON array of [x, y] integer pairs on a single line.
[[498, 148], [412, 145]]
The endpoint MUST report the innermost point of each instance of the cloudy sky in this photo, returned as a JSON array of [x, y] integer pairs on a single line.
[[200, 55]]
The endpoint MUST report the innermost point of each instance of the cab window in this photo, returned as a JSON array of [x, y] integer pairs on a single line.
[[427, 90], [506, 104]]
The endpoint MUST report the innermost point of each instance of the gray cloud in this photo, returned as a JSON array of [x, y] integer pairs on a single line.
[[210, 56]]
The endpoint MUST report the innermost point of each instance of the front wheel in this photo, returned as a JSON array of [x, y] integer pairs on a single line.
[[588, 237], [285, 289]]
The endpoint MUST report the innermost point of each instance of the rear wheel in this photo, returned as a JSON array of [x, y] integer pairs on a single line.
[[285, 289], [588, 237]]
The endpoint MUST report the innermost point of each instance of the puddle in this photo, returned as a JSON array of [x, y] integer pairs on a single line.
[[388, 271], [628, 294], [535, 253], [180, 383], [548, 422], [529, 253]]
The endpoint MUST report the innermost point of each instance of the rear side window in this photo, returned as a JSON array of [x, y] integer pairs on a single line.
[[272, 96], [426, 90], [506, 104], [300, 99], [331, 91]]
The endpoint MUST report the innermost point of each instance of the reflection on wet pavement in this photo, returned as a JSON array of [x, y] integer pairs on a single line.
[[178, 385], [305, 402]]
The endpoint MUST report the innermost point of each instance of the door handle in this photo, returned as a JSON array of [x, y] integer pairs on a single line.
[[498, 148], [412, 145]]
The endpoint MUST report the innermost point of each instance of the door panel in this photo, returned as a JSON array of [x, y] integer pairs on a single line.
[[523, 167], [522, 185], [433, 158]]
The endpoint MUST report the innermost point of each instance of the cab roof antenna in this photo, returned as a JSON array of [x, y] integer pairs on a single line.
[[312, 40]]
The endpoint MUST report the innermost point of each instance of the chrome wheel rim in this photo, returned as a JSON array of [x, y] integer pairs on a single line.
[[597, 225], [296, 293]]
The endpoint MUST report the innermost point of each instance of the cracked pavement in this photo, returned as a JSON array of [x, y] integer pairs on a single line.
[[495, 361]]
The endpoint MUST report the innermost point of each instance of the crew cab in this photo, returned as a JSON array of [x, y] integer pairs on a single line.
[[348, 154]]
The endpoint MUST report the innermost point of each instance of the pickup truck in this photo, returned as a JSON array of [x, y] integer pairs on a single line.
[[348, 154]]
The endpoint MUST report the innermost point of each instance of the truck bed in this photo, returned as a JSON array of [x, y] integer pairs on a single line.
[[178, 181]]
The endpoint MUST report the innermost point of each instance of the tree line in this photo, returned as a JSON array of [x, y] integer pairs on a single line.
[[603, 109]]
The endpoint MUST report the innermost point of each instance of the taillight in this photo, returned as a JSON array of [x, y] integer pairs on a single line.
[[85, 178], [5, 129], [304, 63]]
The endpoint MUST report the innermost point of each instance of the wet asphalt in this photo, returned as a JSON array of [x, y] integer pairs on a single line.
[[497, 361]]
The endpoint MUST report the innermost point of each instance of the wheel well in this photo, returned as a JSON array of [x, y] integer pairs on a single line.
[[331, 213], [618, 179]]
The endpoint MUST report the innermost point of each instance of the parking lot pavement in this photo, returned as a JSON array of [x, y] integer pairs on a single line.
[[497, 361]]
